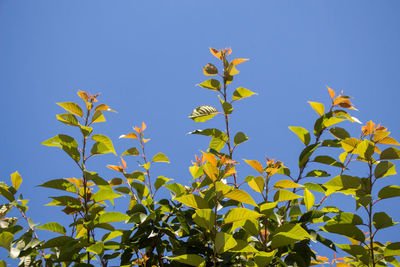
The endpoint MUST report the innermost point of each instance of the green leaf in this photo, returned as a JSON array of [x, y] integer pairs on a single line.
[[160, 157], [240, 137], [302, 133], [203, 113], [6, 193], [97, 248], [241, 93], [211, 84], [382, 220], [112, 216], [215, 133], [346, 218], [161, 180], [392, 249], [256, 183], [98, 117], [16, 180], [314, 187], [264, 258], [241, 196], [112, 235], [240, 214], [306, 153], [103, 145], [204, 218], [60, 184], [68, 119], [190, 259], [3, 263], [227, 107], [390, 153], [343, 182], [384, 168], [66, 143], [328, 160], [309, 199], [66, 201], [317, 173], [216, 144], [289, 234], [72, 108], [133, 151], [357, 251], [86, 130], [6, 239], [348, 230], [285, 195], [53, 227], [224, 242], [105, 194], [389, 192], [339, 133], [318, 107], [366, 149], [176, 188], [193, 201], [60, 241]]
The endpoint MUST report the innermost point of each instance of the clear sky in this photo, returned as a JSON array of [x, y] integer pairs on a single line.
[[145, 57]]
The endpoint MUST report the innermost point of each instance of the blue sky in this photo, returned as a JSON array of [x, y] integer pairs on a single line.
[[145, 57]]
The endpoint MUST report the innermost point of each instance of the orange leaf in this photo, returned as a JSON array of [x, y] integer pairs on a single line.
[[129, 135], [322, 258], [123, 163], [115, 168], [331, 92], [255, 165], [237, 61], [228, 51], [143, 126], [137, 129], [83, 95], [215, 53], [368, 128], [210, 158]]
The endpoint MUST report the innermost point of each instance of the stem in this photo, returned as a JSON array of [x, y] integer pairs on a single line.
[[215, 229], [145, 162], [371, 235]]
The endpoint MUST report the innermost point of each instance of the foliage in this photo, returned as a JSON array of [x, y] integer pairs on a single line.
[[213, 221]]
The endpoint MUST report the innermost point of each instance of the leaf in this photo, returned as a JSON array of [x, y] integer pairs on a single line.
[[226, 106], [366, 149], [211, 84], [346, 218], [105, 194], [382, 220], [342, 182], [255, 165], [241, 196], [241, 93], [348, 230], [104, 107], [328, 160], [306, 153], [129, 135], [160, 157], [392, 249], [161, 180], [390, 153], [193, 201], [98, 117], [133, 151], [53, 227], [68, 119], [317, 173], [357, 251], [60, 184], [339, 133], [204, 218], [190, 259], [215, 133], [112, 216], [309, 199], [350, 144], [59, 241], [16, 180], [318, 107], [240, 137], [257, 183], [389, 192], [224, 242], [286, 184], [72, 108], [237, 61], [203, 113], [103, 145], [240, 214], [97, 248], [6, 239], [289, 234], [302, 133], [66, 143], [384, 168], [285, 195], [389, 141]]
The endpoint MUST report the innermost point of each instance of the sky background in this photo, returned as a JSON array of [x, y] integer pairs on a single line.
[[145, 57]]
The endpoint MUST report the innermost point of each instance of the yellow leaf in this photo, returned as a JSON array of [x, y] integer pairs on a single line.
[[146, 140], [255, 165], [83, 95], [237, 61], [389, 141], [129, 135], [211, 171], [286, 184], [349, 144], [104, 107], [318, 107], [115, 168], [215, 53], [143, 126]]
